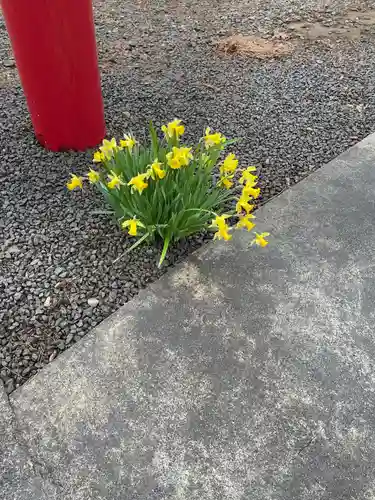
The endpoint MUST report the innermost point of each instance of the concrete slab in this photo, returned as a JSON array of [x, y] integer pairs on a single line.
[[242, 374]]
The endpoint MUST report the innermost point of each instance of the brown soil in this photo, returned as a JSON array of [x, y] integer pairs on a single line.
[[254, 47], [351, 27]]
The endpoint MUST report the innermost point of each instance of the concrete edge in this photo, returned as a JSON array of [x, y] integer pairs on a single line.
[[268, 218]]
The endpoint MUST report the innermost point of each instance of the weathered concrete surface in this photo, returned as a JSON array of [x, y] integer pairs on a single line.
[[243, 374], [21, 476]]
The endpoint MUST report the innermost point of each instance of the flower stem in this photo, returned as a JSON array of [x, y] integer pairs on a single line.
[[164, 251]]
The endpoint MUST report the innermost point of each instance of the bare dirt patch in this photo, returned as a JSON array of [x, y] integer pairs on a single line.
[[317, 31], [352, 27], [256, 47]]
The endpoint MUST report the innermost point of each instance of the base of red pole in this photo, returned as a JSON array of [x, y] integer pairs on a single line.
[[55, 51]]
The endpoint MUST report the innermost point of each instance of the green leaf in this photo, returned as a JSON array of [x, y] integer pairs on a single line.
[[164, 251]]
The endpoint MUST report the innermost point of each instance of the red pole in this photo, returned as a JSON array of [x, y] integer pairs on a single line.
[[54, 46]]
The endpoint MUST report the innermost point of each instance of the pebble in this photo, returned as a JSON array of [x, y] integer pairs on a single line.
[[59, 270], [93, 302], [69, 338], [52, 356], [9, 63], [9, 387], [13, 250], [47, 302]]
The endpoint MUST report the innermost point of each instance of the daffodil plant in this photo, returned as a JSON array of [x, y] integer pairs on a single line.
[[167, 190]]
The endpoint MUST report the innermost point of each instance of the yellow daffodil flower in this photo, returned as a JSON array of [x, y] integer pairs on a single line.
[[173, 129], [260, 239], [229, 165], [246, 222], [226, 182], [138, 183], [214, 139], [155, 171], [251, 180], [128, 142], [249, 190], [75, 182], [244, 205], [93, 176], [132, 224], [179, 157], [98, 157], [114, 181], [222, 228], [184, 154], [173, 162], [248, 177], [108, 147]]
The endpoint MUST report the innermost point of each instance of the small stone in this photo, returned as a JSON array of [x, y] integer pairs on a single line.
[[47, 302], [9, 386], [69, 338], [59, 270], [93, 302], [26, 371], [14, 250], [52, 356], [9, 63], [179, 76]]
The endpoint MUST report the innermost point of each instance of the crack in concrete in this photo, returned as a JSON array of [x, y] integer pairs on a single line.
[[309, 443], [40, 469]]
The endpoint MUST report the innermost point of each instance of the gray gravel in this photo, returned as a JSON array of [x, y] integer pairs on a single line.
[[158, 61]]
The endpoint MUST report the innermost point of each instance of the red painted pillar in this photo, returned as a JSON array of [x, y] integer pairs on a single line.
[[54, 46]]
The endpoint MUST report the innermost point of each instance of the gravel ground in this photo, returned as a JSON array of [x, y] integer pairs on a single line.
[[159, 61]]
